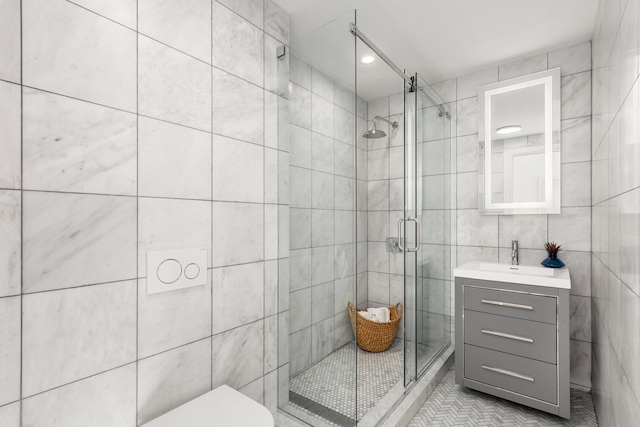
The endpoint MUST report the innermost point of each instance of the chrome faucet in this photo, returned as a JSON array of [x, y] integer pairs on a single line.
[[514, 252]]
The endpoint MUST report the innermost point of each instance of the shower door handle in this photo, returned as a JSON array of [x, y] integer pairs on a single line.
[[417, 247]]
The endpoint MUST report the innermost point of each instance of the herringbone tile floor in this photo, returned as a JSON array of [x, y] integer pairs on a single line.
[[454, 405]]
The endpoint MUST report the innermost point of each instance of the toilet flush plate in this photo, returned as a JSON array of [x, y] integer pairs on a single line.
[[176, 269]]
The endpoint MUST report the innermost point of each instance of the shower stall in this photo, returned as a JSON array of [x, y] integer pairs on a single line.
[[369, 223]]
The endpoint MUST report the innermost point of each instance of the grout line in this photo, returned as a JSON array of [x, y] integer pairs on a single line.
[[137, 207], [212, 225], [21, 390]]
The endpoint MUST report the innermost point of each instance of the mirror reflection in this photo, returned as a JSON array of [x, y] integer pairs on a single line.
[[519, 127]]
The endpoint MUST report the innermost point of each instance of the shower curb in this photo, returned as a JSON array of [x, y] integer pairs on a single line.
[[402, 415]]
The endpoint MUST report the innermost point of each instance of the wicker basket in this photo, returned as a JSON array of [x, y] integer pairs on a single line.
[[375, 336]]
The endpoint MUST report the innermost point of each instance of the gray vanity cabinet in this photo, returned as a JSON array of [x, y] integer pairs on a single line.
[[512, 341]]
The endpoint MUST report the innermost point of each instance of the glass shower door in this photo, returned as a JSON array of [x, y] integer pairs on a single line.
[[427, 225]]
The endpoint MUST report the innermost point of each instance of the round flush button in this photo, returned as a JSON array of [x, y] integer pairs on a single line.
[[192, 271], [169, 271]]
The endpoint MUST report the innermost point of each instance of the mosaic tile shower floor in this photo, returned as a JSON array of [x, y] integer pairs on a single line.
[[330, 383]]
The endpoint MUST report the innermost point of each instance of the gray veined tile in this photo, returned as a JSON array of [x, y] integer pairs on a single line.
[[11, 237], [378, 164], [477, 230], [300, 312], [467, 153], [300, 269], [322, 116], [568, 229], [523, 67], [576, 95], [173, 86], [170, 319], [322, 190], [74, 239], [300, 228], [56, 60], [254, 390], [322, 264], [276, 70], [300, 106], [467, 114], [446, 89], [576, 140], [322, 339], [173, 160], [575, 191], [10, 357], [300, 187], [251, 10], [378, 199], [237, 171], [122, 11], [238, 46], [60, 328], [322, 85], [276, 21], [238, 355], [173, 378], [77, 146], [10, 414], [571, 60], [238, 294], [183, 25], [238, 110], [467, 86], [300, 350], [171, 224], [300, 72], [10, 36], [104, 400], [238, 233], [529, 230], [300, 146], [345, 193], [322, 153], [322, 227], [345, 98], [10, 129], [270, 343]]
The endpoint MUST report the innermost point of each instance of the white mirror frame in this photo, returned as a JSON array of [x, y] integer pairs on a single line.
[[552, 110]]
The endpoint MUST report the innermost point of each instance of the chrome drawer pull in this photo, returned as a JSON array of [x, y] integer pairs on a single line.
[[503, 335], [508, 304], [509, 373]]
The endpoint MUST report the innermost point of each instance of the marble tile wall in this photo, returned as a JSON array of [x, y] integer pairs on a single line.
[[131, 126], [615, 247], [487, 237], [323, 214]]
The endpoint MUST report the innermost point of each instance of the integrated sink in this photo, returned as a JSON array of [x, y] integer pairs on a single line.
[[523, 274]]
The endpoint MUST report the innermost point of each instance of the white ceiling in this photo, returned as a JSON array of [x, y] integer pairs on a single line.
[[441, 39]]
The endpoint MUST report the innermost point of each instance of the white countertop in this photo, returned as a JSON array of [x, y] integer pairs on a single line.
[[536, 275]]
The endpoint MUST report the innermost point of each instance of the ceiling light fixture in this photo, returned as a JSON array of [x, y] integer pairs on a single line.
[[508, 129], [368, 59]]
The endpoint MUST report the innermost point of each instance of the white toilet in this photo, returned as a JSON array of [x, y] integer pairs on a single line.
[[222, 406]]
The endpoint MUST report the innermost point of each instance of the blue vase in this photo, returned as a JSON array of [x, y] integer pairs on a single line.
[[552, 261]]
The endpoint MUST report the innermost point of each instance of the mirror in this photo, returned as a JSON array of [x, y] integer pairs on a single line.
[[519, 145]]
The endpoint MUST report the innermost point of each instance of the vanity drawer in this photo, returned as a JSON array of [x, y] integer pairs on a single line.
[[518, 374], [526, 338], [512, 304]]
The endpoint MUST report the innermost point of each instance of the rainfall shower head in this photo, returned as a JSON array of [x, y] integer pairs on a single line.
[[377, 133]]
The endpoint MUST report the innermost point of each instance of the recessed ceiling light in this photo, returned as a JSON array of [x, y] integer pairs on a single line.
[[368, 59], [508, 129]]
